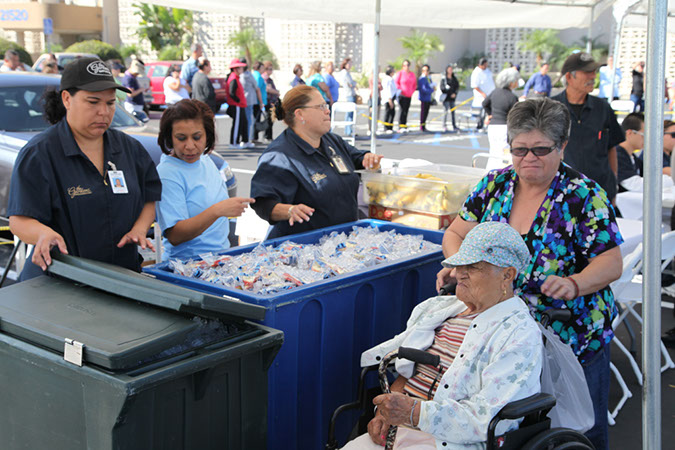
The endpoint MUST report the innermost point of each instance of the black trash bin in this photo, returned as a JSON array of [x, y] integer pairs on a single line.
[[162, 367]]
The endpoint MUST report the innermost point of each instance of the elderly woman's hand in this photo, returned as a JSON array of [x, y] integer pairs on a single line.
[[560, 288], [371, 161], [396, 408], [377, 429]]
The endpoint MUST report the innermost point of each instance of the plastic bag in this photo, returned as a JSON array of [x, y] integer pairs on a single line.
[[563, 377]]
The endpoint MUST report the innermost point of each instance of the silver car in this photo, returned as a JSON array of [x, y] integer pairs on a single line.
[[22, 117]]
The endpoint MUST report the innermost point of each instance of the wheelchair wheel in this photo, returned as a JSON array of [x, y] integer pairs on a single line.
[[559, 439]]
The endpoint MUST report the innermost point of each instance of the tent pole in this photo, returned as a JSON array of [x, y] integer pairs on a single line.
[[376, 75], [615, 55], [652, 212], [589, 36]]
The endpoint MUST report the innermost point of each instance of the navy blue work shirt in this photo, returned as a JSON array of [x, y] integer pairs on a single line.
[[291, 171], [592, 135], [56, 184]]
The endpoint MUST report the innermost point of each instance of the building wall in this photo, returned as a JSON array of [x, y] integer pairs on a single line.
[[632, 49], [73, 20]]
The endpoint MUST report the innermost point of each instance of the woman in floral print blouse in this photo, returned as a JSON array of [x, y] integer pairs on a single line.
[[570, 228]]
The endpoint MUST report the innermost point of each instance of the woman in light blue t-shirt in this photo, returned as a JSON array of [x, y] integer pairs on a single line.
[[194, 210]]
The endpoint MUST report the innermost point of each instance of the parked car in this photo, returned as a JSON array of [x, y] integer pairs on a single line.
[[61, 59], [64, 58], [157, 71], [22, 117]]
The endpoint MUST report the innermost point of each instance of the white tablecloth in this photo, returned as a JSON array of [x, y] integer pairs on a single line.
[[631, 230], [630, 203]]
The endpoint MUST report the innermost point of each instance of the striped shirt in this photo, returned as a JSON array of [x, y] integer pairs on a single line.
[[447, 340]]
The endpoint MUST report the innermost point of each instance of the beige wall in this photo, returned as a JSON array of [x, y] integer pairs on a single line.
[[69, 19]]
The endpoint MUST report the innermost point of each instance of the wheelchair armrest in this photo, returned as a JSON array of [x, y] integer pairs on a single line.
[[536, 403], [536, 407]]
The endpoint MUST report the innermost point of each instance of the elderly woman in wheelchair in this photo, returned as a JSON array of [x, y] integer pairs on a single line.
[[489, 345]]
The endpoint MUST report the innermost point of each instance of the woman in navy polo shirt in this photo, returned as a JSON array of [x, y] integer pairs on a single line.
[[63, 191], [305, 179]]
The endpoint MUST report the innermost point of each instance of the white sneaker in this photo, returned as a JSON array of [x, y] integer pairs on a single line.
[[242, 145], [250, 145]]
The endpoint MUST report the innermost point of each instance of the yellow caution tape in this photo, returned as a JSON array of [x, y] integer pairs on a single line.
[[4, 228]]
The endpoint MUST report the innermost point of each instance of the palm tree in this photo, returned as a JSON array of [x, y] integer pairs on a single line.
[[244, 40], [254, 48], [420, 46], [164, 26], [544, 43]]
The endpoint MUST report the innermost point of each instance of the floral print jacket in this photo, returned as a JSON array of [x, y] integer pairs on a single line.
[[498, 362], [575, 223]]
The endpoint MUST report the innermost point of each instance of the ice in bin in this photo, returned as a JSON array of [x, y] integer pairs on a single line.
[[436, 188], [267, 269]]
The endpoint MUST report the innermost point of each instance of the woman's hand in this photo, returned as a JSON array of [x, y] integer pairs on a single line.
[[138, 236], [444, 277], [47, 239], [395, 408], [378, 428], [371, 161], [233, 207], [299, 213], [559, 288]]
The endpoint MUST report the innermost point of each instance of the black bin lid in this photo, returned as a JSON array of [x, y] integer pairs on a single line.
[[123, 319]]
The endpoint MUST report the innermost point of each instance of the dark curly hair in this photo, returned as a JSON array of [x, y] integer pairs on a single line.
[[53, 105], [186, 110]]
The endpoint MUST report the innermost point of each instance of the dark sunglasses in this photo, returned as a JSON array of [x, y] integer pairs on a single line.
[[672, 134], [536, 151]]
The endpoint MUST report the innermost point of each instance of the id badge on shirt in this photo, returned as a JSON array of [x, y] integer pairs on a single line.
[[117, 181], [337, 161]]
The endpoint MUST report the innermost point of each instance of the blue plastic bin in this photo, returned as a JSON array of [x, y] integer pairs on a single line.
[[327, 325]]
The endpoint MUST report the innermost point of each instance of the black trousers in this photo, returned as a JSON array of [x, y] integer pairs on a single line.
[[405, 106], [481, 118], [268, 117], [424, 115], [239, 132], [389, 115], [256, 117]]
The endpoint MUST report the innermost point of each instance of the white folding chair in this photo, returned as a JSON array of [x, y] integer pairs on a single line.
[[622, 105], [625, 394], [342, 108], [628, 292], [472, 115]]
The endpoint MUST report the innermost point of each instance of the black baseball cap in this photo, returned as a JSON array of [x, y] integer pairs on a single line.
[[89, 74], [579, 61]]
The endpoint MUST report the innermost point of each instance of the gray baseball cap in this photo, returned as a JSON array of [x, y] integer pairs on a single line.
[[494, 242]]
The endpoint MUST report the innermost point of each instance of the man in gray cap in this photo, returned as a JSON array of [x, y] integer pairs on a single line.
[[595, 133]]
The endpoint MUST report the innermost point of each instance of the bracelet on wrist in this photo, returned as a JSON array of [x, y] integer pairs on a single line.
[[290, 210], [576, 287]]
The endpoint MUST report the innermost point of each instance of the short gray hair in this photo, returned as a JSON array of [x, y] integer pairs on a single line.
[[547, 116], [506, 77], [196, 46]]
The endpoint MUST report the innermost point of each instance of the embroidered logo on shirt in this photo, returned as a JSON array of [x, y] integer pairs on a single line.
[[77, 191], [318, 177]]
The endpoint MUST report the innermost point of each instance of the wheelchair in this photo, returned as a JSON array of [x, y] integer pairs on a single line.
[[533, 433]]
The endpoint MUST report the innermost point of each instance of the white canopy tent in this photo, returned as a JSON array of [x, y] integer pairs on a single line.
[[475, 14], [655, 15]]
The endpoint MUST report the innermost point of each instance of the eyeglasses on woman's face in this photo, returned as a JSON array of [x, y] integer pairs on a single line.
[[521, 152], [323, 107], [670, 133]]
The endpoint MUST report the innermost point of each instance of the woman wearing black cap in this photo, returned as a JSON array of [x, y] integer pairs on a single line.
[[62, 192]]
